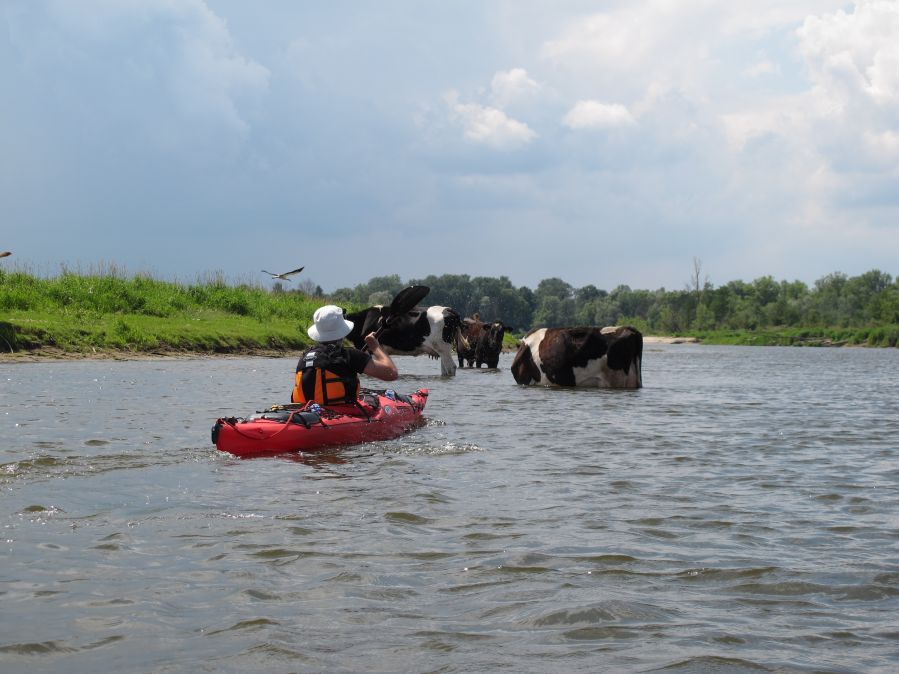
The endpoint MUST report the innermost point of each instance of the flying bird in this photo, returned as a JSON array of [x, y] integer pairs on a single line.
[[5, 253], [283, 276]]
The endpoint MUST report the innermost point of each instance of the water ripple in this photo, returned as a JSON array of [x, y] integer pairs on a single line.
[[729, 517]]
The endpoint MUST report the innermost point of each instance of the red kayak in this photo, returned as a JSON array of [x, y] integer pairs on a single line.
[[377, 415]]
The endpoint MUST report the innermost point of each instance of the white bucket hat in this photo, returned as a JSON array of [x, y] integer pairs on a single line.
[[330, 325]]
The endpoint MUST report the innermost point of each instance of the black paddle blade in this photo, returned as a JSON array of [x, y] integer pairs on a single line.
[[404, 302], [407, 299]]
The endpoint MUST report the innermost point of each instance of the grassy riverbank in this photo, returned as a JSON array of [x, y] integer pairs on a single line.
[[90, 314]]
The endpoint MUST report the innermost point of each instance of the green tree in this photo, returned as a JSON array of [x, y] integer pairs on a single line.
[[450, 290], [553, 312], [828, 299], [862, 296], [553, 287]]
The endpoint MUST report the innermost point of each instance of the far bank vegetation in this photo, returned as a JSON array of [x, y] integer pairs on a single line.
[[108, 309]]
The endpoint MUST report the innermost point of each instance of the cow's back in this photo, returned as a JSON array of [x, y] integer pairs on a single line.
[[581, 356], [430, 331]]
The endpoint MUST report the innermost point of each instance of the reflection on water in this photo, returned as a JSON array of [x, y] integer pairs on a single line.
[[738, 514]]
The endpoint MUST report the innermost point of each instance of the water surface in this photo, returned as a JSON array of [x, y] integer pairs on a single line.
[[738, 514]]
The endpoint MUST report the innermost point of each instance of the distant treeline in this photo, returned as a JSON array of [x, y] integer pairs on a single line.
[[869, 302]]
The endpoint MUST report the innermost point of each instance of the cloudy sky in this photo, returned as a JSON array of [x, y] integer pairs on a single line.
[[606, 142]]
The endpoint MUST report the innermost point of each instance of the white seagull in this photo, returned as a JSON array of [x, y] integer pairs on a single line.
[[283, 276]]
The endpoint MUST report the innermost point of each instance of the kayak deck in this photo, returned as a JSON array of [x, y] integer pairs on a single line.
[[377, 415]]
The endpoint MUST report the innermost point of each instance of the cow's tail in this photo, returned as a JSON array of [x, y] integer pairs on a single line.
[[452, 329]]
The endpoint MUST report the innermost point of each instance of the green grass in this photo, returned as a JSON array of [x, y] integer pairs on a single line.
[[108, 312], [204, 331]]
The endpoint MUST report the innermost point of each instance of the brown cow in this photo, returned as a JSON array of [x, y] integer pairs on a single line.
[[485, 342], [585, 356]]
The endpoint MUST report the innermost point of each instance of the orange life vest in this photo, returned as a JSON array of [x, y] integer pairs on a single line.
[[325, 376]]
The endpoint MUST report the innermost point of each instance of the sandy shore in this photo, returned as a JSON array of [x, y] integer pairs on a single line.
[[669, 340], [47, 355]]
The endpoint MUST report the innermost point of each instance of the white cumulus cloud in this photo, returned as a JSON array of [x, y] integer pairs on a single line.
[[855, 53], [596, 115], [510, 85], [490, 126], [851, 112]]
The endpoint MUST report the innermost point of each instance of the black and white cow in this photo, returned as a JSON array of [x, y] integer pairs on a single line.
[[424, 330], [484, 342], [602, 357]]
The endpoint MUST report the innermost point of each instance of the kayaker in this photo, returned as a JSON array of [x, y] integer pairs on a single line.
[[328, 372]]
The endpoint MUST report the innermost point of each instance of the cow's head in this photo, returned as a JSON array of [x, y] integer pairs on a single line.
[[524, 369], [494, 332], [365, 321], [380, 318]]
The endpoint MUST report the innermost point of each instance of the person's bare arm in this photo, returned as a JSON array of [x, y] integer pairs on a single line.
[[381, 365]]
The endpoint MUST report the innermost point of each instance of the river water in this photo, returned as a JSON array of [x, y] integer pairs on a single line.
[[739, 514]]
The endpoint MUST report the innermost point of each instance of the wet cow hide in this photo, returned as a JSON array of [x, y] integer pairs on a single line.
[[609, 357]]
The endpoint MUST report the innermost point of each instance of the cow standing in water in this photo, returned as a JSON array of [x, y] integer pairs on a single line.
[[431, 330], [585, 356], [485, 342]]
